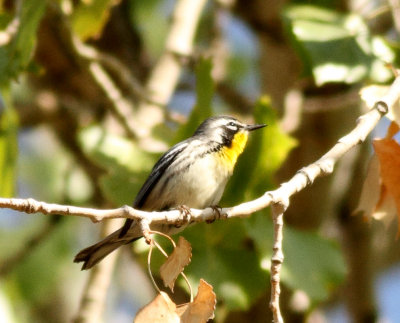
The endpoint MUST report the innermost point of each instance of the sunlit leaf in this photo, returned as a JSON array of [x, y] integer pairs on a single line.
[[8, 149], [89, 17], [108, 150], [312, 264], [337, 47], [16, 55], [204, 93], [127, 166]]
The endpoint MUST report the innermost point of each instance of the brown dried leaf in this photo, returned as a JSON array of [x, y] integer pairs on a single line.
[[388, 151], [175, 263], [374, 200], [371, 189], [385, 210], [392, 130], [181, 308], [202, 308], [160, 310]]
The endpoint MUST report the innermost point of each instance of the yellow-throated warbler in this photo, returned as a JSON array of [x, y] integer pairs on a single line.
[[193, 173]]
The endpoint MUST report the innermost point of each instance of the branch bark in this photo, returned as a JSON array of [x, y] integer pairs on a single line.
[[303, 178], [276, 260]]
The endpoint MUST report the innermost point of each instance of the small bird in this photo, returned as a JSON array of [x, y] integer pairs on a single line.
[[192, 174]]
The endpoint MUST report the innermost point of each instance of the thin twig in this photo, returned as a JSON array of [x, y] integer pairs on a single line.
[[152, 243], [120, 107], [113, 64], [277, 260]]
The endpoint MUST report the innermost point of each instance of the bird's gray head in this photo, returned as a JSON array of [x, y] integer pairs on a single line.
[[222, 129]]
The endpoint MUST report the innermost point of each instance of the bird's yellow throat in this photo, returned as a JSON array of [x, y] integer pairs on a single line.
[[230, 154]]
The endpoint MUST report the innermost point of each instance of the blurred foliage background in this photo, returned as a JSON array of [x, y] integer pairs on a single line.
[[75, 91]]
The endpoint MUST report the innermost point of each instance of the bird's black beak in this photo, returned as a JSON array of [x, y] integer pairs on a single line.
[[251, 127]]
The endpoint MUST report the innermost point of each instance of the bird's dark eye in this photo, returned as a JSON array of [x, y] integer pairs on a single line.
[[232, 124]]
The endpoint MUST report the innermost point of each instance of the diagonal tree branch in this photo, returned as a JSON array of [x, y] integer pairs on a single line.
[[303, 178]]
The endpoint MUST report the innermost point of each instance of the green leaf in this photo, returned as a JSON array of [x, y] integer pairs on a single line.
[[121, 185], [312, 264], [128, 166], [273, 148], [264, 154], [38, 276], [89, 18], [222, 258], [109, 150], [16, 55], [8, 149], [336, 47], [151, 18], [205, 88]]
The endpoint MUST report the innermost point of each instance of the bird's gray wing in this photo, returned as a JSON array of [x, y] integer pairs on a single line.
[[158, 170]]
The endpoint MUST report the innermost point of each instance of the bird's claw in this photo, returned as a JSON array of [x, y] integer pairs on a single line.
[[185, 213], [217, 210]]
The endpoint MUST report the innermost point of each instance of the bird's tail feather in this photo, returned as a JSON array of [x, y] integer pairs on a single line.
[[92, 255]]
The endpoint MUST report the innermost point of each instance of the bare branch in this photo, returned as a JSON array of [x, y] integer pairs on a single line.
[[113, 64], [303, 178], [299, 181], [120, 107], [277, 259]]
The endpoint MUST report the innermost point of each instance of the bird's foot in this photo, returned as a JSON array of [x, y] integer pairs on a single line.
[[185, 215], [217, 210]]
